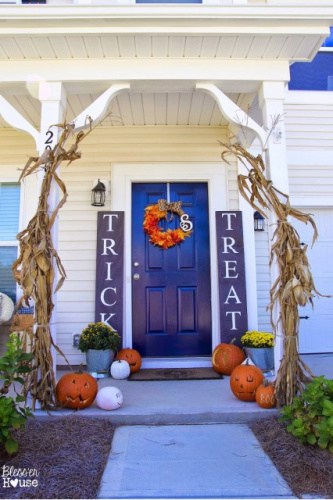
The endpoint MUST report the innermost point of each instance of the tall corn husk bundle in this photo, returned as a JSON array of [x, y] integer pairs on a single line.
[[34, 269], [294, 285]]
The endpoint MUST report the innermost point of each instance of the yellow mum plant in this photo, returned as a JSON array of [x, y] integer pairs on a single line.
[[253, 338], [99, 336]]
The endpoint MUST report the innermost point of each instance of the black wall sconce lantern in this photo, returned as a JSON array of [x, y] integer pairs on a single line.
[[259, 222], [98, 195]]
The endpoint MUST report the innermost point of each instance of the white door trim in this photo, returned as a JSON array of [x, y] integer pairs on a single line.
[[122, 177]]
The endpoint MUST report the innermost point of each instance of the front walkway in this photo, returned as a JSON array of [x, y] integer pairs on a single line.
[[190, 461]]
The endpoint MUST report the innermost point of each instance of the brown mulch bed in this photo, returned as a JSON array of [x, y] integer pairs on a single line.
[[69, 454], [307, 469]]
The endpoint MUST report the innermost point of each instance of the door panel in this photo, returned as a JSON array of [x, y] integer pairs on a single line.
[[315, 331], [171, 295]]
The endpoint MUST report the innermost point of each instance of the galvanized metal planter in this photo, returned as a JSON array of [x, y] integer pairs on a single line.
[[99, 362], [262, 357]]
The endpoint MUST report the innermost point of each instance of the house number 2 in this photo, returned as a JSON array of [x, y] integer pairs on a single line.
[[49, 138]]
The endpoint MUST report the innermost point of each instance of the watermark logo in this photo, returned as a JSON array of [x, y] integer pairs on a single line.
[[19, 478]]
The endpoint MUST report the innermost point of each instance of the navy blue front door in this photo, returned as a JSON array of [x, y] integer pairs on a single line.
[[171, 288]]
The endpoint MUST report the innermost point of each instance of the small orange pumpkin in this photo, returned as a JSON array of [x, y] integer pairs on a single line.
[[226, 357], [244, 381], [76, 390], [133, 358], [265, 395]]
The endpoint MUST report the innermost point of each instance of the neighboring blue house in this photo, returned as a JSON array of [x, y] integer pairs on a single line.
[[316, 75]]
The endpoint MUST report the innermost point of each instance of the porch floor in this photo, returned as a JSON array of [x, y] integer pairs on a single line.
[[185, 401]]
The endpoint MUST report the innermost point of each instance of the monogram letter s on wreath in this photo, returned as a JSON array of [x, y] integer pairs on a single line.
[[170, 237]]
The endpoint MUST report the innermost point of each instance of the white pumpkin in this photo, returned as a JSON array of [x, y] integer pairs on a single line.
[[6, 308], [109, 398], [120, 369]]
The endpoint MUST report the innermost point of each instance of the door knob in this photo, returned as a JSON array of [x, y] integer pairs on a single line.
[[136, 264], [136, 276]]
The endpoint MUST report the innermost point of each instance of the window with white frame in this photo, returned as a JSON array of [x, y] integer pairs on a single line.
[[9, 226]]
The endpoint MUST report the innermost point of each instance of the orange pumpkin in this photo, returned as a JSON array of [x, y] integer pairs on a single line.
[[265, 395], [76, 390], [244, 381], [133, 358], [226, 357]]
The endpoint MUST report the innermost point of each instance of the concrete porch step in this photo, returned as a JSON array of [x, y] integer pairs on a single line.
[[175, 402]]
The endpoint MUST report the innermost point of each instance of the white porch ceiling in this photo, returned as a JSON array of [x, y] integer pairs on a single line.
[[106, 46], [135, 108]]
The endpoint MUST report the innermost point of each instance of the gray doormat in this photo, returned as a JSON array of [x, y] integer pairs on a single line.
[[175, 374]]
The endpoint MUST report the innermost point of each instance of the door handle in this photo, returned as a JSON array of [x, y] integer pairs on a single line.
[[136, 276]]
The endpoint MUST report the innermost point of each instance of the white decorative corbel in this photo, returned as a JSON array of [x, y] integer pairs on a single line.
[[232, 112], [16, 120], [97, 110]]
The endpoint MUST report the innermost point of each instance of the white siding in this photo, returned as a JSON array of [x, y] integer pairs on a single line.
[[309, 126], [309, 120], [309, 132], [15, 149], [263, 279], [311, 182]]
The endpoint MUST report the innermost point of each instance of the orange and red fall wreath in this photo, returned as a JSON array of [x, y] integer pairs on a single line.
[[171, 237]]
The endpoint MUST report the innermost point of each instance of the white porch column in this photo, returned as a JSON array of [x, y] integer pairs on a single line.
[[53, 102], [271, 100], [250, 258]]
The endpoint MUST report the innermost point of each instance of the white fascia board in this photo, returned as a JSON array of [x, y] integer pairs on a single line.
[[315, 11], [303, 29], [309, 97], [176, 18], [120, 70]]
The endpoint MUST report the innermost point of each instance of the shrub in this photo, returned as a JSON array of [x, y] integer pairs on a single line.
[[14, 364], [310, 416]]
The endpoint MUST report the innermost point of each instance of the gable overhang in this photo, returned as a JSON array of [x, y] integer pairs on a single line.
[[284, 31]]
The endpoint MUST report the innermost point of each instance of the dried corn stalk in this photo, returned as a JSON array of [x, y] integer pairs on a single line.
[[294, 285], [34, 268]]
